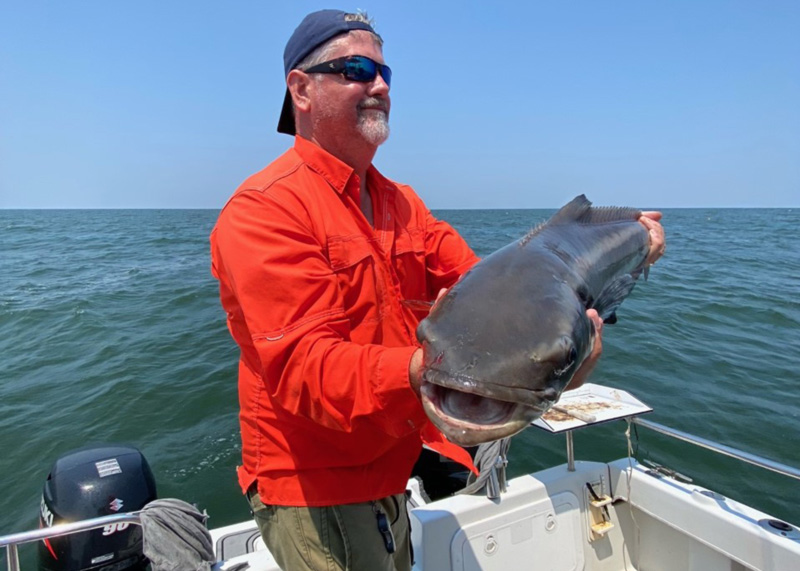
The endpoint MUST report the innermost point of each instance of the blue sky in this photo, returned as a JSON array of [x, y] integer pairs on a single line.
[[510, 105]]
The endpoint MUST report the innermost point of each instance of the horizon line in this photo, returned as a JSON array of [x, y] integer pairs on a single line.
[[30, 208]]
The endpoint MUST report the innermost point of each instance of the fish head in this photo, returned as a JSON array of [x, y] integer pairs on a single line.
[[490, 369]]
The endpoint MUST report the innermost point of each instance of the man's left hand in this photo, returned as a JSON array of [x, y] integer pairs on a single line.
[[589, 363], [658, 243]]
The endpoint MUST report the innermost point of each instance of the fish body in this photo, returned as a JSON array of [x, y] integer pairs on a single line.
[[502, 344]]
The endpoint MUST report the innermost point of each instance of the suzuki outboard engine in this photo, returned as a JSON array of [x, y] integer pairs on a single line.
[[89, 483]]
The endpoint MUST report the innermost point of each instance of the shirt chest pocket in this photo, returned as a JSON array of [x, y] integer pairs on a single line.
[[351, 259], [408, 259], [347, 251]]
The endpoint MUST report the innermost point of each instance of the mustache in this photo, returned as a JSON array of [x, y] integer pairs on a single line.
[[374, 103]]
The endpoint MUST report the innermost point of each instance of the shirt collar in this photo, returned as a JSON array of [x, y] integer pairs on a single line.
[[333, 170], [321, 161]]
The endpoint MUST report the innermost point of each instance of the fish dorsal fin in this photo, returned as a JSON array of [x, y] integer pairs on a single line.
[[570, 212], [580, 210], [574, 211]]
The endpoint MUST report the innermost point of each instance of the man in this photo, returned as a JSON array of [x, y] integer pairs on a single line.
[[315, 256]]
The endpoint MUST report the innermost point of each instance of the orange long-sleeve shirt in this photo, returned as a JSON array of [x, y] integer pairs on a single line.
[[314, 299]]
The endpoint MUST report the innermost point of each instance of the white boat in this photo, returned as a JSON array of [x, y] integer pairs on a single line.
[[591, 516]]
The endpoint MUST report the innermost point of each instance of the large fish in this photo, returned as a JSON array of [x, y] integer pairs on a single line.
[[502, 344]]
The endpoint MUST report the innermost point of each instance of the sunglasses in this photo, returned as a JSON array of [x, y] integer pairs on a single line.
[[354, 68]]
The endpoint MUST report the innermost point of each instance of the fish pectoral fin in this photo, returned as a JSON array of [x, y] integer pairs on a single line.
[[612, 297]]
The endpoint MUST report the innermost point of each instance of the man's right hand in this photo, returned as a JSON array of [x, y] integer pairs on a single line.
[[416, 365], [415, 371]]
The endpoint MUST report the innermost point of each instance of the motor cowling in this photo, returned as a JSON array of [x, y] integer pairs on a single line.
[[94, 482]]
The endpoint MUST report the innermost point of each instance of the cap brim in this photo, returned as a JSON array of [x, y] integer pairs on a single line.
[[286, 122]]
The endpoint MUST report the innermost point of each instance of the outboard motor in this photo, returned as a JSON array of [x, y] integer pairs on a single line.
[[89, 483]]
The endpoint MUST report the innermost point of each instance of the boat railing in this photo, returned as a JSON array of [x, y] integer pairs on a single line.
[[746, 457], [10, 542]]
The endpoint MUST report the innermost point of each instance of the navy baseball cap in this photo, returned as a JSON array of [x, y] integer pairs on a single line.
[[315, 29]]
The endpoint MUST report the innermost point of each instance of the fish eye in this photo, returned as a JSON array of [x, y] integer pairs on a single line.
[[570, 351], [572, 356]]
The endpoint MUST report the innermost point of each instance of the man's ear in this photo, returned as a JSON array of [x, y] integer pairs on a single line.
[[299, 83]]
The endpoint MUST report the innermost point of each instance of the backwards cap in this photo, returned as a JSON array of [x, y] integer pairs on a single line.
[[315, 29]]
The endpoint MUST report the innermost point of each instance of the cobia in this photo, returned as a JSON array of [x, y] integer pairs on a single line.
[[502, 344]]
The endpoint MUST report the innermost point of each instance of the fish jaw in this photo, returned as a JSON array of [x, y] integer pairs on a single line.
[[469, 418]]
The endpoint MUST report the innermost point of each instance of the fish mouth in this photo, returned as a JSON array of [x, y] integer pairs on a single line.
[[463, 411]]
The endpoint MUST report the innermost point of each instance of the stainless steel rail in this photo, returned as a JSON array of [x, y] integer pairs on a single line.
[[720, 448], [10, 542]]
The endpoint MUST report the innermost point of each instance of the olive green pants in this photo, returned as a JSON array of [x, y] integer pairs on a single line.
[[335, 538]]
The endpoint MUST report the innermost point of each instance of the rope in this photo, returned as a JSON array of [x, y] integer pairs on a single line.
[[486, 457]]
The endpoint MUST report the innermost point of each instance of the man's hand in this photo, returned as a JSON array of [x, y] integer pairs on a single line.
[[415, 371], [416, 363], [658, 243], [589, 363]]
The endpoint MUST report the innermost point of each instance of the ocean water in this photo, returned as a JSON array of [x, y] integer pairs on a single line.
[[111, 331]]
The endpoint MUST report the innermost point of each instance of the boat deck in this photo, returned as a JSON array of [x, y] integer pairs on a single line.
[[639, 519]]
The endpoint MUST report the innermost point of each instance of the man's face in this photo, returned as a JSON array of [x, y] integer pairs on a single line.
[[344, 108]]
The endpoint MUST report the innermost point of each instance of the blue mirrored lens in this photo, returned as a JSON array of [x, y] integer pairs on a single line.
[[386, 74], [361, 68]]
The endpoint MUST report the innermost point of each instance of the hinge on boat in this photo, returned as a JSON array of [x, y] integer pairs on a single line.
[[599, 516]]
